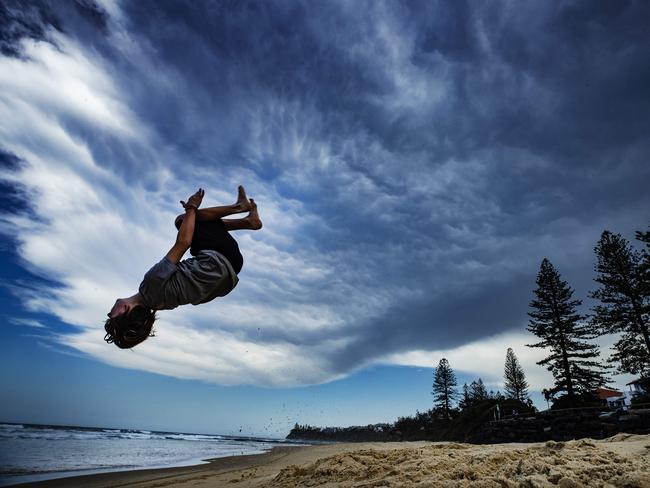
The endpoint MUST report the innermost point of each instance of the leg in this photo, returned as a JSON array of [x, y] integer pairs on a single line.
[[239, 224], [251, 222], [214, 213]]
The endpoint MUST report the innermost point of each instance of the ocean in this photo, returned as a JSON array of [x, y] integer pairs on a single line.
[[38, 452]]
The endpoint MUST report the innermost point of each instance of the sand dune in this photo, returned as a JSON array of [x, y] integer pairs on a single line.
[[622, 461]]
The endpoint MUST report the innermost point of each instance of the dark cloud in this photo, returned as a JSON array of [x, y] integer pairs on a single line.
[[446, 147], [562, 85], [13, 196], [92, 12], [32, 19], [8, 160], [23, 19], [9, 194]]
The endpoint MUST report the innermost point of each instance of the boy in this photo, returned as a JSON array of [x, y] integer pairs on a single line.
[[210, 273]]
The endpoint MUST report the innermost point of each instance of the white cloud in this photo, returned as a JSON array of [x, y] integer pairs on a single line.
[[485, 358], [27, 323], [83, 90], [99, 231], [183, 351]]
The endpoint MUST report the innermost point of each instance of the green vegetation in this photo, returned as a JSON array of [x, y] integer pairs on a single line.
[[515, 384], [554, 319], [624, 300], [444, 388]]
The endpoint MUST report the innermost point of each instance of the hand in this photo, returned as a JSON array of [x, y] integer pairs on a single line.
[[194, 201]]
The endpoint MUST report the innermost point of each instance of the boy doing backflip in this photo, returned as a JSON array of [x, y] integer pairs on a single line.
[[211, 271]]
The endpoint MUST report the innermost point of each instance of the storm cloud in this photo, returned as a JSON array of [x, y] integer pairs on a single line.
[[413, 162]]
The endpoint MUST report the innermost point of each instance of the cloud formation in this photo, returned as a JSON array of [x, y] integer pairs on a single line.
[[413, 163]]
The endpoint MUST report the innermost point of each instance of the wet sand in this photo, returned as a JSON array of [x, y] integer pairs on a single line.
[[622, 461]]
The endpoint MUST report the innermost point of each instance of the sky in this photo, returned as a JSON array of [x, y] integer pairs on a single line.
[[413, 163]]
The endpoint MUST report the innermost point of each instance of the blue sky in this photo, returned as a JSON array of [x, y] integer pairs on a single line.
[[413, 163]]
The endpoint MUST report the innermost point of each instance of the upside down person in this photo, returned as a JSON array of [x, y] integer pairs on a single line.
[[211, 271]]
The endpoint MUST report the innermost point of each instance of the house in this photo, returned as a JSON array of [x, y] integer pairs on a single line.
[[613, 398], [638, 387]]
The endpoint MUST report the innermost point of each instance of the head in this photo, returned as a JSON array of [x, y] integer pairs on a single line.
[[130, 328]]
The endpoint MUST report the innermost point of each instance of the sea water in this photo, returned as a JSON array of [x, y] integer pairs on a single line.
[[37, 452]]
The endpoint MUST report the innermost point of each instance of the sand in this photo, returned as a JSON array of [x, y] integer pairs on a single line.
[[622, 461]]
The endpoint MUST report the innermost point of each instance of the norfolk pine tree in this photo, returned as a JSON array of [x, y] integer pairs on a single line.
[[624, 307], [645, 265], [555, 320], [477, 391], [465, 400], [444, 387], [515, 385], [645, 261], [474, 393]]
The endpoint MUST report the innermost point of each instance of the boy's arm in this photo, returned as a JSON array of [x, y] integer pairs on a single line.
[[186, 232]]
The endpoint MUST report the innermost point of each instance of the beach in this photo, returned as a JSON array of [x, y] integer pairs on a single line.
[[622, 461]]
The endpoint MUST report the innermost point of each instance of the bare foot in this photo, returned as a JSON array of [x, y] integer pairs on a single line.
[[243, 204], [253, 217]]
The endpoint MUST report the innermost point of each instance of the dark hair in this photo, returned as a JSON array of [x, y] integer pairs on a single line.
[[130, 329]]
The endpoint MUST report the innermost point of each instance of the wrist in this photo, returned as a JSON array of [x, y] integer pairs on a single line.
[[193, 208]]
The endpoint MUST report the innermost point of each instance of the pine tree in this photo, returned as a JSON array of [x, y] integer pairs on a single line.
[[516, 385], [645, 262], [645, 237], [497, 395], [465, 399], [624, 308], [477, 391], [444, 387], [556, 321]]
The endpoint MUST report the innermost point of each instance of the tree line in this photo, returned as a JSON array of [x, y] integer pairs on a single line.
[[623, 308], [445, 391]]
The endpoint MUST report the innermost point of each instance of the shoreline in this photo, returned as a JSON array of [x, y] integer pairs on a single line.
[[156, 474], [619, 461]]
